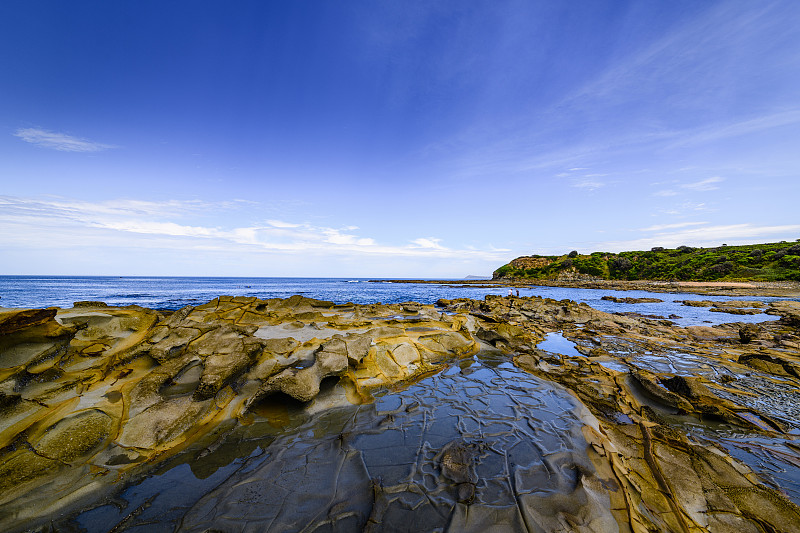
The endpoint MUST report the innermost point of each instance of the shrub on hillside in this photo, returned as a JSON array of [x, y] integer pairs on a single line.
[[720, 269], [622, 264]]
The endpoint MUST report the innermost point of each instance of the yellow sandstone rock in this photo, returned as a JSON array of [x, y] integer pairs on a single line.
[[93, 394]]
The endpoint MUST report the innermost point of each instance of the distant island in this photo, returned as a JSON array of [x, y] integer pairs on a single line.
[[778, 261]]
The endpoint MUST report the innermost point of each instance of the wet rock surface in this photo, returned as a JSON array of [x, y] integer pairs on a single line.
[[523, 414], [628, 300], [482, 444], [733, 307]]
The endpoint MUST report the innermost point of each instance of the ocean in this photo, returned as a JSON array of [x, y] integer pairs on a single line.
[[177, 292]]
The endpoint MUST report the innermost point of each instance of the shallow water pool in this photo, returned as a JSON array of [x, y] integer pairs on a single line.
[[517, 437]]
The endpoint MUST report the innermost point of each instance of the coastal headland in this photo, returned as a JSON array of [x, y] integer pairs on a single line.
[[601, 422], [769, 269]]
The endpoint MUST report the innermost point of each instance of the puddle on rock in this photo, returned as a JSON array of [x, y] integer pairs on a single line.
[[612, 364], [557, 343]]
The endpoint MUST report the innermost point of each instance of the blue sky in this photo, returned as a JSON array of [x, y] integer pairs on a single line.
[[383, 139]]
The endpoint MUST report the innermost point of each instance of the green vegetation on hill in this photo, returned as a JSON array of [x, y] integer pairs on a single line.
[[753, 262]]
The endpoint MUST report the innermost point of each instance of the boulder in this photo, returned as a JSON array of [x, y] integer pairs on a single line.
[[748, 333]]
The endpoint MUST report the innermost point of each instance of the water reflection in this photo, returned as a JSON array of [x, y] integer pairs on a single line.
[[343, 467], [557, 343]]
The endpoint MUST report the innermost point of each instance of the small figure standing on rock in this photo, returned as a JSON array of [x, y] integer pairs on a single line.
[[517, 293], [510, 293]]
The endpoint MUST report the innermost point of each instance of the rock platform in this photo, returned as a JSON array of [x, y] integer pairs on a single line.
[[673, 429]]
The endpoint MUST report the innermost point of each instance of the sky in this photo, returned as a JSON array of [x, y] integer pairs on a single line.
[[422, 139]]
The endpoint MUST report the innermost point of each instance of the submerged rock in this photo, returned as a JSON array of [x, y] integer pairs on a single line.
[[628, 300], [457, 463]]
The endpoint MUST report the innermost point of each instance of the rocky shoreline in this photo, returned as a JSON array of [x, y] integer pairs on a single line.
[[778, 289], [673, 429]]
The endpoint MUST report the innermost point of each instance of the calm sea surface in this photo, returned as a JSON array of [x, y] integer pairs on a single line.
[[174, 293]]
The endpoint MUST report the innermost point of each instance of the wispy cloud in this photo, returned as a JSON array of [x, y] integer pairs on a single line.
[[702, 236], [686, 106], [588, 184], [685, 208], [71, 223], [59, 141], [709, 184], [665, 192], [715, 132], [693, 47], [282, 224], [65, 208], [429, 242], [662, 227]]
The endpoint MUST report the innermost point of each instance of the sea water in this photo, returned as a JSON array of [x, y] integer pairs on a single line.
[[177, 292]]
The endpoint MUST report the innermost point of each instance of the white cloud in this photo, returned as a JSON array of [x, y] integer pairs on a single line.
[[588, 184], [696, 46], [705, 236], [665, 192], [495, 249], [159, 228], [662, 227], [59, 141], [62, 223], [118, 209], [282, 224], [748, 126], [708, 184], [686, 209], [428, 243], [335, 236]]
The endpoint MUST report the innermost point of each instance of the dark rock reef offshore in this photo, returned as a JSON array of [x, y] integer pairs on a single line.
[[654, 427]]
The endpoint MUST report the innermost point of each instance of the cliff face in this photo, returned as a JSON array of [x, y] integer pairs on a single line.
[[757, 262], [527, 261]]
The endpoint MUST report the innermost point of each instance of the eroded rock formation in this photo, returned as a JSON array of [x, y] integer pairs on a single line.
[[90, 393], [647, 383], [94, 397]]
